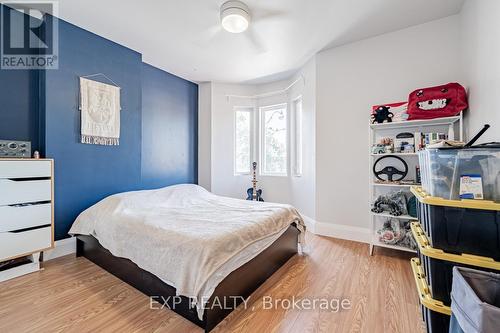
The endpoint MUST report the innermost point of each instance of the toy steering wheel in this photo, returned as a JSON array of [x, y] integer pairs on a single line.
[[390, 171]]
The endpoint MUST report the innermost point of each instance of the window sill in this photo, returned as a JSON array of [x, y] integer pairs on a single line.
[[273, 175]]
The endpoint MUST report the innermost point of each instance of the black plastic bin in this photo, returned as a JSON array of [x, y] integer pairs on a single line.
[[435, 322], [460, 226], [435, 314], [437, 265], [439, 276]]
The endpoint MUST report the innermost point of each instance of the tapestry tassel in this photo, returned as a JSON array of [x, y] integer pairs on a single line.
[[96, 140]]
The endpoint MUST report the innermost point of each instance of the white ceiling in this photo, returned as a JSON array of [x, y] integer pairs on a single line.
[[184, 37]]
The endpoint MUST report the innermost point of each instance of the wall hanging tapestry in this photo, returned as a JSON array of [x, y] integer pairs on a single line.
[[100, 108]]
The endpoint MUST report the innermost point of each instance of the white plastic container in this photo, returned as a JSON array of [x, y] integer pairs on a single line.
[[442, 169]]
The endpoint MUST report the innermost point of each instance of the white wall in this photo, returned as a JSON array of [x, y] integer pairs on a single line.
[[480, 52], [303, 189], [352, 78], [224, 182], [341, 85], [217, 128]]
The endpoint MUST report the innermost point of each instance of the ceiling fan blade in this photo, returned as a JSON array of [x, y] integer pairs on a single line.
[[255, 41], [208, 35], [259, 14]]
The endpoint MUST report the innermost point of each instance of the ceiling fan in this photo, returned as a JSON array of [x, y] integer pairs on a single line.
[[237, 18]]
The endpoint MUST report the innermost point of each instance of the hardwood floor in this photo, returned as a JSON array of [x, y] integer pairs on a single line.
[[74, 295]]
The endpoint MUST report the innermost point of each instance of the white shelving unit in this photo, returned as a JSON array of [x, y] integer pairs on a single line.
[[451, 125]]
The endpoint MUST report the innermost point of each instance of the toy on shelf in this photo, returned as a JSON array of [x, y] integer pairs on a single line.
[[397, 232], [385, 146], [390, 171], [436, 102], [404, 143], [382, 114], [395, 203], [393, 112]]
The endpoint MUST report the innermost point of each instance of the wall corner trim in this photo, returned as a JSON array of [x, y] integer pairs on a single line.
[[61, 248]]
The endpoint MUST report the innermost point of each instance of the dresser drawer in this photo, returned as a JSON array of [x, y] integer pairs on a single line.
[[25, 168], [16, 218], [17, 192], [14, 244]]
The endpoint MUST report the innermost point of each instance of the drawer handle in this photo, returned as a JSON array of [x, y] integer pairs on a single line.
[[29, 229], [36, 203], [28, 179]]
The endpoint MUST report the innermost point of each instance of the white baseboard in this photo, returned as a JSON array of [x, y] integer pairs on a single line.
[[62, 247], [341, 231], [338, 230]]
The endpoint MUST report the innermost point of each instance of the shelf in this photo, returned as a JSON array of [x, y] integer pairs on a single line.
[[394, 247], [417, 123], [395, 185], [401, 217], [376, 242], [396, 154], [451, 125]]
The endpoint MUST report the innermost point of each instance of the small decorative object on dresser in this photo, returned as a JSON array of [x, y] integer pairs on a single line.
[[26, 214], [15, 149]]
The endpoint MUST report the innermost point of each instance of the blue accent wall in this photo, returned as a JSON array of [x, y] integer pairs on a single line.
[[18, 108], [19, 118], [158, 142], [169, 129]]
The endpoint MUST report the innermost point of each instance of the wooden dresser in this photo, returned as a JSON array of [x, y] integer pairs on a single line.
[[26, 213]]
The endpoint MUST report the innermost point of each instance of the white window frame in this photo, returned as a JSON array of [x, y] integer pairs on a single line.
[[297, 136], [251, 110], [262, 167]]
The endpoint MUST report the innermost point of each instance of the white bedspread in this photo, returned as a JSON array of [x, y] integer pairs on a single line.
[[185, 235]]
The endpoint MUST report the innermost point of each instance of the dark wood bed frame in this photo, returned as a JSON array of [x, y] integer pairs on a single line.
[[235, 287]]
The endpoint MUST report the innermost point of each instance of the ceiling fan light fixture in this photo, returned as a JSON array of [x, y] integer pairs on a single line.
[[235, 16]]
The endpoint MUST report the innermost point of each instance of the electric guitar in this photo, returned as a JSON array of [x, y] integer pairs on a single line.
[[253, 193]]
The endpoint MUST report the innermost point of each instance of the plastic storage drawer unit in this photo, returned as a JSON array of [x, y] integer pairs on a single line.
[[438, 265], [435, 314], [442, 169], [460, 226]]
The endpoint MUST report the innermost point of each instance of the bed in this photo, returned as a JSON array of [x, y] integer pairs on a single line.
[[198, 253]]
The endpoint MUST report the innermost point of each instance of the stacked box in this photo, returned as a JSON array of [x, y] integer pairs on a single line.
[[452, 233], [435, 322], [442, 170]]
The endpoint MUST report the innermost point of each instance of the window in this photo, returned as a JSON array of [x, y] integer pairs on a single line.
[[243, 140], [297, 137], [274, 138]]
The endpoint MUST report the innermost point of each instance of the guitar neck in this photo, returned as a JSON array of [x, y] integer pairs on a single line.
[[254, 181]]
